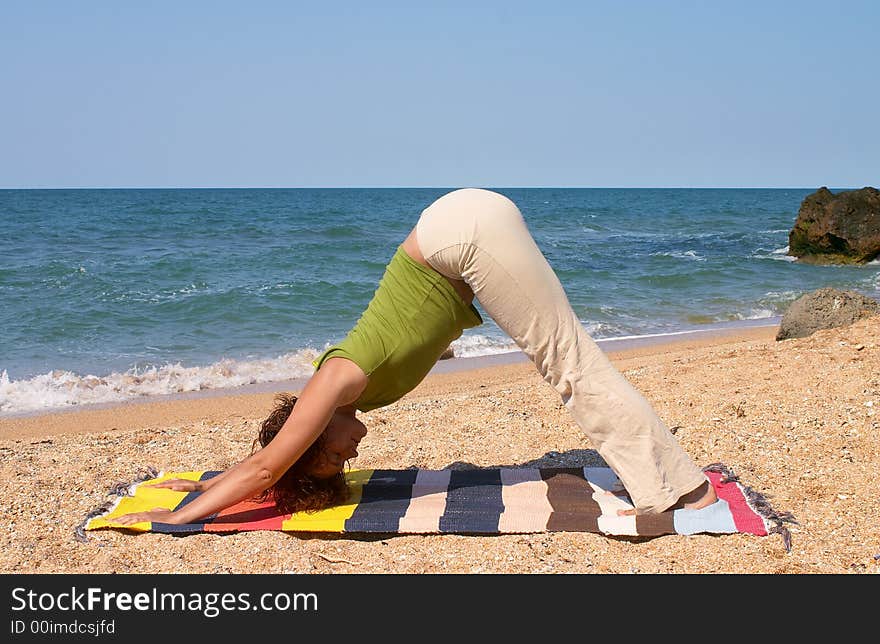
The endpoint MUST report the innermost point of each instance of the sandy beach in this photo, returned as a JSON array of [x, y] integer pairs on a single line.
[[797, 420]]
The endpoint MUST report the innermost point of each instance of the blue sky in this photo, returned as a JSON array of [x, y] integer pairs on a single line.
[[338, 94]]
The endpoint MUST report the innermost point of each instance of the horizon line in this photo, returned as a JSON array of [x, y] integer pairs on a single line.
[[414, 187]]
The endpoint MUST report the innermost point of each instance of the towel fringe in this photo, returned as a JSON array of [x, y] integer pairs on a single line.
[[759, 503], [116, 492]]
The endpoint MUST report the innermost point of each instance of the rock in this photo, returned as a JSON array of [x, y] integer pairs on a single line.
[[449, 353], [837, 229], [826, 308]]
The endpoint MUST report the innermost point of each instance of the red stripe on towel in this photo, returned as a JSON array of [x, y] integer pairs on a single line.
[[744, 517], [247, 515]]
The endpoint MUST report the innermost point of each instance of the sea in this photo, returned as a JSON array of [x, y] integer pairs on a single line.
[[110, 295]]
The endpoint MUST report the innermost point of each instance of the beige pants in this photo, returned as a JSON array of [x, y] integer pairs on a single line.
[[480, 237]]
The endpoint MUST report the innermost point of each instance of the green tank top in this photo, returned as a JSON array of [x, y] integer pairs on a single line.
[[413, 316]]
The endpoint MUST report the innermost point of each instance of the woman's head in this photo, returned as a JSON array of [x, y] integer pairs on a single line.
[[317, 480]]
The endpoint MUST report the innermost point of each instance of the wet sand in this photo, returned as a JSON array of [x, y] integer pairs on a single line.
[[797, 420]]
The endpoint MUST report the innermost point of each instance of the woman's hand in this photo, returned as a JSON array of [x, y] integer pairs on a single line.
[[159, 515], [181, 485]]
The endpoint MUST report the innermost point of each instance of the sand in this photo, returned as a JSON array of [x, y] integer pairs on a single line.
[[798, 420]]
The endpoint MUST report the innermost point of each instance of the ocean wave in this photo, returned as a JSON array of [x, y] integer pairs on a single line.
[[780, 297], [678, 254], [779, 254], [159, 296], [755, 314], [470, 346], [62, 389], [772, 304], [343, 232]]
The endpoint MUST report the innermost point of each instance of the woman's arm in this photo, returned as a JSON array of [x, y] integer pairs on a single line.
[[339, 382], [187, 485]]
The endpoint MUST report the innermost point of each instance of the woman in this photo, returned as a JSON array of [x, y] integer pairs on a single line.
[[469, 243]]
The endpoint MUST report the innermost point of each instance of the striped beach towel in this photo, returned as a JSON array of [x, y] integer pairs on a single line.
[[467, 501]]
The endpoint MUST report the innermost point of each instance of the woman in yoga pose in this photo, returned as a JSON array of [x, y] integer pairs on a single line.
[[468, 243]]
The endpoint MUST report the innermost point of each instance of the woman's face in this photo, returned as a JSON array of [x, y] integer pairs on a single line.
[[341, 438]]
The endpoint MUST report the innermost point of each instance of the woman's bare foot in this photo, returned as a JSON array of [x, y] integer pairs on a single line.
[[698, 498]]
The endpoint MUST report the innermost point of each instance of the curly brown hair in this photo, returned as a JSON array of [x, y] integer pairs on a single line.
[[297, 491]]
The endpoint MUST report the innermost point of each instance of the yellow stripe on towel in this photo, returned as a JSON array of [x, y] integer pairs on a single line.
[[332, 519], [147, 498]]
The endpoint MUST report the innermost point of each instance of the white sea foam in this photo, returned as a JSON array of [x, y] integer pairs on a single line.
[[780, 254], [687, 254], [60, 389], [770, 305], [646, 336], [755, 314], [470, 346]]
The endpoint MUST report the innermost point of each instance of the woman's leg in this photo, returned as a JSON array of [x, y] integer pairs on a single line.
[[480, 237]]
